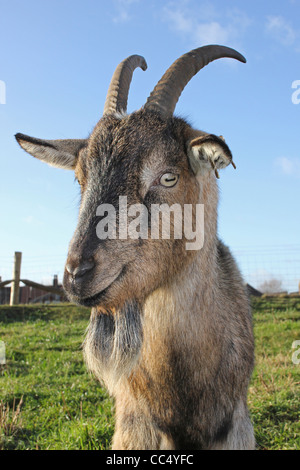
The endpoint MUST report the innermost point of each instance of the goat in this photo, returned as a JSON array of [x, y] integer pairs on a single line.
[[170, 333]]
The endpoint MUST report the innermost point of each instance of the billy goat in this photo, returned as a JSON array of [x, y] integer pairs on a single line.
[[170, 332]]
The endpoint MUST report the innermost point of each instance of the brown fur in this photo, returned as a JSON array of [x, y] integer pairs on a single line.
[[170, 333], [196, 355]]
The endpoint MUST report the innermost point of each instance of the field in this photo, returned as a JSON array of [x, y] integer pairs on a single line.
[[49, 401]]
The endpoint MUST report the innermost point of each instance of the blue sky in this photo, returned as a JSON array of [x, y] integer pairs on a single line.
[[57, 59]]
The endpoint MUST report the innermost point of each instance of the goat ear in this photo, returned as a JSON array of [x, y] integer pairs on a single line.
[[209, 152], [57, 153]]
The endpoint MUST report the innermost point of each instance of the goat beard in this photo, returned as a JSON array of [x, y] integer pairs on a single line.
[[113, 343]]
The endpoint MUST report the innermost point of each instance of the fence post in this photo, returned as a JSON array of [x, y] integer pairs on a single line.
[[14, 293]]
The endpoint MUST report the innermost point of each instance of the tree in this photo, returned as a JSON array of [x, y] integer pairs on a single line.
[[272, 286]]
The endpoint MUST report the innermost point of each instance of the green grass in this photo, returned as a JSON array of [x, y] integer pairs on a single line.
[[63, 407], [274, 397]]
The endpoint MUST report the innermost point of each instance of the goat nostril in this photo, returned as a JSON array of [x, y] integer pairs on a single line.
[[80, 270]]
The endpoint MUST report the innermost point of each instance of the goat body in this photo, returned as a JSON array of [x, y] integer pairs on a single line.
[[170, 333]]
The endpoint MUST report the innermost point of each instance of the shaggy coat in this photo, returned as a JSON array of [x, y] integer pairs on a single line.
[[170, 333]]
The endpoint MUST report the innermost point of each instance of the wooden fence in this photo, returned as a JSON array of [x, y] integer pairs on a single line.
[[15, 282]]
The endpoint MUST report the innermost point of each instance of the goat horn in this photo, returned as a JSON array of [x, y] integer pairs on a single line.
[[168, 90], [117, 95]]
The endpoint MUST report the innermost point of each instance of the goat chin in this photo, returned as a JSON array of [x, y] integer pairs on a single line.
[[113, 343]]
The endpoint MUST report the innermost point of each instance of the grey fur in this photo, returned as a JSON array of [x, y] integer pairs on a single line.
[[113, 343], [171, 331]]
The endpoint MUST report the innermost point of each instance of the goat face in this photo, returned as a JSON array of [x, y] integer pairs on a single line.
[[128, 157], [151, 158]]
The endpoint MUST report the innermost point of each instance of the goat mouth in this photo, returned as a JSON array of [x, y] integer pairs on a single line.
[[96, 299]]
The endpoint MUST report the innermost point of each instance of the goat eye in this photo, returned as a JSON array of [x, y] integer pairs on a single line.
[[168, 179]]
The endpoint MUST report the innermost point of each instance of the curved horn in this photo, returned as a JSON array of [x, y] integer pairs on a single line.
[[117, 95], [168, 90]]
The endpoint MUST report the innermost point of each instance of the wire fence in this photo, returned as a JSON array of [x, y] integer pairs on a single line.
[[39, 269], [259, 265], [262, 266]]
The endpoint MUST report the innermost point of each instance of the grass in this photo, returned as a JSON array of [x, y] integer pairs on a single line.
[[63, 406], [274, 397], [10, 421], [49, 401]]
